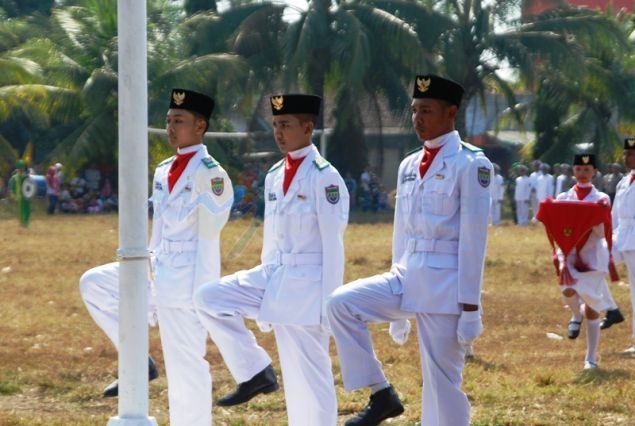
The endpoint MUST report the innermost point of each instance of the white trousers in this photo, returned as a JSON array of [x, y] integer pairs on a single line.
[[370, 300], [629, 260], [522, 212], [309, 387], [183, 340], [495, 210]]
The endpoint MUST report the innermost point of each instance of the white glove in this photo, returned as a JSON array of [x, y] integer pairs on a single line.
[[399, 331], [469, 328]]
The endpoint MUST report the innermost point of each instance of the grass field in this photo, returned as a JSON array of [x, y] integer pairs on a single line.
[[54, 361]]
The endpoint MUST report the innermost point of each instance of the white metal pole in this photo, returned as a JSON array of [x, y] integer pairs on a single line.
[[133, 216]]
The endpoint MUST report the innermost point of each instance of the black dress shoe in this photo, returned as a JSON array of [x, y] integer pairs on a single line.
[[113, 388], [573, 329], [383, 405], [263, 382], [614, 316]]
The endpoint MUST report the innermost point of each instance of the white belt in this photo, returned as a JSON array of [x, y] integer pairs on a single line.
[[438, 246], [298, 258], [178, 246]]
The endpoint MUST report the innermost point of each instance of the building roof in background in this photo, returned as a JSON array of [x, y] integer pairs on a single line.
[[534, 7]]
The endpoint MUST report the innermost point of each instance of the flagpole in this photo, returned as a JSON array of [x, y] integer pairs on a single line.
[[133, 215]]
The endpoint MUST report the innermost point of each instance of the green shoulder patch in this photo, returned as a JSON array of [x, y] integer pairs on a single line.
[[321, 163], [471, 147], [414, 150], [209, 162], [276, 166], [167, 161]]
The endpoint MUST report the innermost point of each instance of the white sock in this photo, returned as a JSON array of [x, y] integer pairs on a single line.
[[592, 340], [379, 386], [573, 302]]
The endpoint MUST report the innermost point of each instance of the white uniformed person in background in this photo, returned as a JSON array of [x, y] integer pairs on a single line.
[[498, 195], [302, 262], [191, 198], [438, 252], [623, 219], [522, 194]]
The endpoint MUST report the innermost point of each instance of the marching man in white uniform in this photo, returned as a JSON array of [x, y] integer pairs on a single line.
[[439, 241], [306, 213], [192, 196], [623, 219]]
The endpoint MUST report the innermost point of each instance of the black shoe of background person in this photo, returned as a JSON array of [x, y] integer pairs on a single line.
[[263, 382], [614, 316], [113, 388], [383, 404]]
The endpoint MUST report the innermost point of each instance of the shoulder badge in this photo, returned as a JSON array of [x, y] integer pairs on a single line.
[[471, 147], [167, 161], [321, 163], [484, 175], [276, 166], [414, 150], [209, 162], [332, 193]]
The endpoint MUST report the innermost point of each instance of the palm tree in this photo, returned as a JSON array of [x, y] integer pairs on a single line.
[[583, 104]]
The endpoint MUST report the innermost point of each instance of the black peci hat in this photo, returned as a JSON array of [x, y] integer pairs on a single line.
[[435, 87], [295, 104], [192, 101], [584, 160]]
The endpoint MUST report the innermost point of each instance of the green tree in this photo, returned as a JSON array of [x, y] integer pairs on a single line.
[[583, 104]]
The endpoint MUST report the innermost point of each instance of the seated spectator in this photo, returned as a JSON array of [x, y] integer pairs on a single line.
[[94, 204], [66, 202], [78, 186]]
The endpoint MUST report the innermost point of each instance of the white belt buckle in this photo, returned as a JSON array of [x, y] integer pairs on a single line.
[[412, 245]]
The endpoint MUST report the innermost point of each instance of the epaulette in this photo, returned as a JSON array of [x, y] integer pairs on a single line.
[[167, 161], [321, 163], [471, 147], [276, 166], [414, 150], [209, 162]]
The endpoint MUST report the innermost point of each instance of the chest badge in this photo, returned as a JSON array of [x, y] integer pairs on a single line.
[[272, 196]]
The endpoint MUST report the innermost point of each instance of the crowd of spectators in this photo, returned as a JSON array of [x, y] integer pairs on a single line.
[[89, 191]]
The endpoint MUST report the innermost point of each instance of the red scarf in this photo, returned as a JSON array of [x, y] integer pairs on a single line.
[[582, 192], [177, 167], [290, 168], [428, 158], [632, 178]]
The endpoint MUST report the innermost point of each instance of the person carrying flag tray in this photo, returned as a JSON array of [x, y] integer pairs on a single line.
[[579, 223]]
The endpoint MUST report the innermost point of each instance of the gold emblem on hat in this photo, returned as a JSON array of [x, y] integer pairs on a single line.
[[585, 159], [178, 98], [277, 102], [567, 232], [631, 142], [423, 84]]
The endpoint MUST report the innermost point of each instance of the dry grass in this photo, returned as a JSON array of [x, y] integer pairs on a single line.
[[54, 361]]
